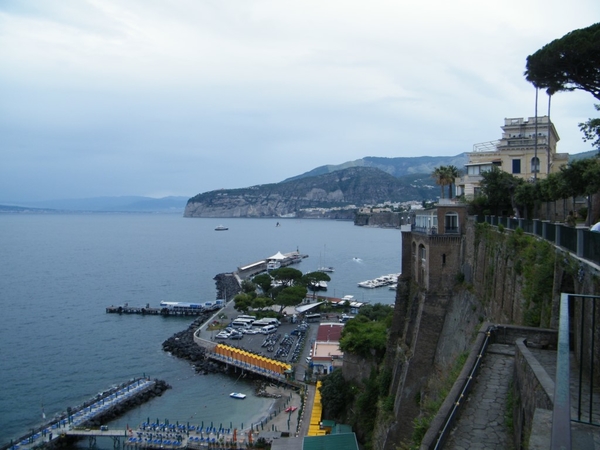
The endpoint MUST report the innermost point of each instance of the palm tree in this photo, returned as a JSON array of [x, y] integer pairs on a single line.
[[440, 175], [452, 174]]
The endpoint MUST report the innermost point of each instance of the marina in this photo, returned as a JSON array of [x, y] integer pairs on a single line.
[[97, 353]]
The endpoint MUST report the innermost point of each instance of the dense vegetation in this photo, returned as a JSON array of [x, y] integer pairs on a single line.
[[502, 192], [285, 286], [567, 64], [366, 336]]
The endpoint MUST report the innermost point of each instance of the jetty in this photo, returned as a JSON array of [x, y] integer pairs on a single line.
[[168, 308], [196, 309], [77, 421]]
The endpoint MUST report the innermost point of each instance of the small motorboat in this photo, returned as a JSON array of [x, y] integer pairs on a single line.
[[221, 228], [238, 395]]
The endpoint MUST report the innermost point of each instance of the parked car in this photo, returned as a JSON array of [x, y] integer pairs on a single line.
[[251, 331]]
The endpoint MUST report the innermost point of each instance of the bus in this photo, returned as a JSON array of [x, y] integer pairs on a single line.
[[313, 317], [244, 317]]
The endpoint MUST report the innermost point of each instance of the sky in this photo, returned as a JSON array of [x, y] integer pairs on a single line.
[[180, 97]]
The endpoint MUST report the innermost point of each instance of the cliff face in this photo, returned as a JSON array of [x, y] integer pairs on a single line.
[[504, 278], [340, 193]]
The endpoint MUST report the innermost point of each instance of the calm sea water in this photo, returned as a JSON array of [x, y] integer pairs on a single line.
[[59, 272]]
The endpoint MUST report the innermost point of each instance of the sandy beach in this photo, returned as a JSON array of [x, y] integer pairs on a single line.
[[278, 420]]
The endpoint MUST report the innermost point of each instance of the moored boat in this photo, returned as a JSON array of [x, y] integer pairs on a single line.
[[237, 395], [221, 228]]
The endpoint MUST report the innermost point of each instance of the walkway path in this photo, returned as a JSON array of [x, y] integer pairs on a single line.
[[482, 424]]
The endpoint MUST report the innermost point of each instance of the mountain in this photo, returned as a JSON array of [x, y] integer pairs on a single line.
[[338, 188], [340, 192], [104, 204], [398, 167]]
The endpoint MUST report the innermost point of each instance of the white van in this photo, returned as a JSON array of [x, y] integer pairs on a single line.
[[266, 321], [268, 329], [240, 324]]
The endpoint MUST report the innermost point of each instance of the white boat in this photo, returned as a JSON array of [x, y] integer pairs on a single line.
[[221, 228], [238, 395], [318, 285], [326, 269]]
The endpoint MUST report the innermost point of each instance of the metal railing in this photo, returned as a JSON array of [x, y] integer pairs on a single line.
[[584, 334], [579, 241]]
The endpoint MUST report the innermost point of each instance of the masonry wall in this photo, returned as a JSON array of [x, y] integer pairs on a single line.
[[432, 326]]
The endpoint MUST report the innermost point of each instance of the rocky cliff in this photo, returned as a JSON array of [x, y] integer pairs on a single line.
[[332, 195], [503, 277]]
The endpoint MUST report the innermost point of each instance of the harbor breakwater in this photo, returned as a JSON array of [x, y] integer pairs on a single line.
[[91, 414]]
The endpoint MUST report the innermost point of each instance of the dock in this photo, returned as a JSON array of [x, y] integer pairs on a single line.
[[277, 260], [168, 309], [75, 424], [197, 309]]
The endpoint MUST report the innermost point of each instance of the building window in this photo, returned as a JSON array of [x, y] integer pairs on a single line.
[[516, 166], [535, 164], [451, 222]]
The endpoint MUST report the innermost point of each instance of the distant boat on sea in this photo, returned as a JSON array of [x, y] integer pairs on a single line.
[[221, 228], [238, 395], [324, 268]]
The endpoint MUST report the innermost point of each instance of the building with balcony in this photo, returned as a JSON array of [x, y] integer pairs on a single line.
[[526, 150], [432, 259]]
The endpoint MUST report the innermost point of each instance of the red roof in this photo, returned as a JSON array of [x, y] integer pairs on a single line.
[[329, 332]]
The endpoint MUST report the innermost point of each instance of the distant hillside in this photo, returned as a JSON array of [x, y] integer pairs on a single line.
[[105, 204], [351, 187], [397, 167], [583, 155]]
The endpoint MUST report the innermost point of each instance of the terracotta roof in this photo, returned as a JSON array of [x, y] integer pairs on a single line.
[[329, 332]]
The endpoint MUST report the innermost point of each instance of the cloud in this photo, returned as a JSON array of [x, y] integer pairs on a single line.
[[107, 97]]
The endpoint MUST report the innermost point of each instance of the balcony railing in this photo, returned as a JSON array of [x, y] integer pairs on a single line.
[[579, 241]]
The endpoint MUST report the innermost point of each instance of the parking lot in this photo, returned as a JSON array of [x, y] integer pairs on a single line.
[[287, 343]]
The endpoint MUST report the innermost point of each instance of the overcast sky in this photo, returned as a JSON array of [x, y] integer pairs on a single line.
[[178, 97]]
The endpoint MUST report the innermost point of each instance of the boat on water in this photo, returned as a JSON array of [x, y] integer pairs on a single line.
[[326, 269], [385, 280], [237, 395], [318, 285], [221, 228]]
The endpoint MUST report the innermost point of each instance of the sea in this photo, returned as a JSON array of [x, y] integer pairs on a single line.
[[59, 272]]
